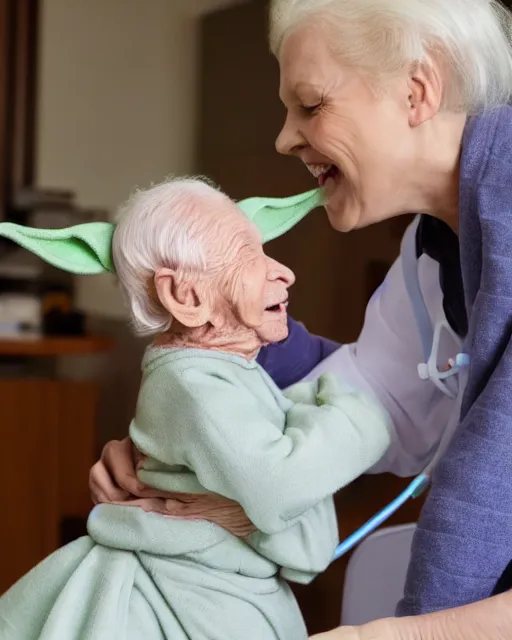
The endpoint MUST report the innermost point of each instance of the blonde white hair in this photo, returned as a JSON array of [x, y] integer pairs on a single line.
[[471, 39], [160, 227]]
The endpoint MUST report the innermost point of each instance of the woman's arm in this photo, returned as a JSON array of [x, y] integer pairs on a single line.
[[489, 619]]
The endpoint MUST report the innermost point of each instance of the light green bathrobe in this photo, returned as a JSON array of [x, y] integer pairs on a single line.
[[209, 421]]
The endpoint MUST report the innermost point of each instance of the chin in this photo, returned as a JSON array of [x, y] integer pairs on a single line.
[[341, 219], [277, 334], [346, 218]]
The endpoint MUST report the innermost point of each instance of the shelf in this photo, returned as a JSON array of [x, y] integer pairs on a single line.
[[54, 346]]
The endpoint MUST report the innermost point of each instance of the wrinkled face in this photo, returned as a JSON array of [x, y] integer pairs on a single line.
[[253, 288], [356, 141]]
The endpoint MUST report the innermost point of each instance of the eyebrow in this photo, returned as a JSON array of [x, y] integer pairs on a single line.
[[299, 88]]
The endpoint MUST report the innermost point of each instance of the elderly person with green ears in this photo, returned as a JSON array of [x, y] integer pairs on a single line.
[[209, 420], [396, 107]]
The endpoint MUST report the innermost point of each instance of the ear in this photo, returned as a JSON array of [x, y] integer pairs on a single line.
[[85, 249], [182, 298], [425, 92]]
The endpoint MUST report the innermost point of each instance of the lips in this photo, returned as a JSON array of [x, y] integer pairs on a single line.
[[278, 307], [322, 172], [331, 173]]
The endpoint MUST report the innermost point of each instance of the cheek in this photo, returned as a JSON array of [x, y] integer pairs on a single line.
[[252, 304], [383, 163], [337, 137], [322, 132]]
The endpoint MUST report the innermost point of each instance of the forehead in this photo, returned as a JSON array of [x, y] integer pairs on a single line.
[[306, 62], [237, 226]]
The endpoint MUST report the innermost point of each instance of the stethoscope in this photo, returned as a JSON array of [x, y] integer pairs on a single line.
[[427, 370]]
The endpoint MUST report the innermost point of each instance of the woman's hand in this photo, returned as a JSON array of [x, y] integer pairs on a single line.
[[113, 480], [489, 619]]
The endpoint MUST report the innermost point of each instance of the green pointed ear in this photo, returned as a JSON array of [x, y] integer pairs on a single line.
[[85, 249], [276, 216]]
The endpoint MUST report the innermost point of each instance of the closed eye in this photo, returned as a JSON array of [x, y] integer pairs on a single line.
[[311, 109]]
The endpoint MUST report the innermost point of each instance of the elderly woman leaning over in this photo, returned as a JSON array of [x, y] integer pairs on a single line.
[[400, 106]]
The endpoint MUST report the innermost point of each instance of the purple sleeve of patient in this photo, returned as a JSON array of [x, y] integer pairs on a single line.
[[290, 361]]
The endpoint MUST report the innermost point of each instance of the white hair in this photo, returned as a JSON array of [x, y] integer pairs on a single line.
[[156, 229], [470, 38]]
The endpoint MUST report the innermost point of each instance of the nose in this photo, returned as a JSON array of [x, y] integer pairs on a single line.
[[290, 140], [278, 271]]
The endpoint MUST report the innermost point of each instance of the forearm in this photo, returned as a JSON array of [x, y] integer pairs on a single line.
[[489, 619]]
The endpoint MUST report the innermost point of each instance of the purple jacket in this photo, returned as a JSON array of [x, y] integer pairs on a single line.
[[289, 361], [464, 539], [463, 544]]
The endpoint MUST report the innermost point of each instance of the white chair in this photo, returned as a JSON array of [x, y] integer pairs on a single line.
[[375, 576]]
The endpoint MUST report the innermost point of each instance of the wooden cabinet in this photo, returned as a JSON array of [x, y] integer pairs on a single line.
[[48, 445]]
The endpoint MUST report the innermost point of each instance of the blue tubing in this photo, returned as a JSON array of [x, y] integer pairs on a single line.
[[412, 491]]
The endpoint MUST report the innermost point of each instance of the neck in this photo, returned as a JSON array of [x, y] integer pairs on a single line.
[[240, 341], [437, 184]]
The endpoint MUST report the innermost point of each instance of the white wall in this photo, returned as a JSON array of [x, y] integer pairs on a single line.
[[117, 105]]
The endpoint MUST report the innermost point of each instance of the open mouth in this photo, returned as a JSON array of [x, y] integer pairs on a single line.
[[277, 308], [323, 172]]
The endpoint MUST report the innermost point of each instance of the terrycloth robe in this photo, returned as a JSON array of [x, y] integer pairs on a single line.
[[209, 422]]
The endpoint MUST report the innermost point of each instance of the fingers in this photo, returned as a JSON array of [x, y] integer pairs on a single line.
[[110, 479], [102, 487], [117, 456], [221, 511], [113, 479]]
